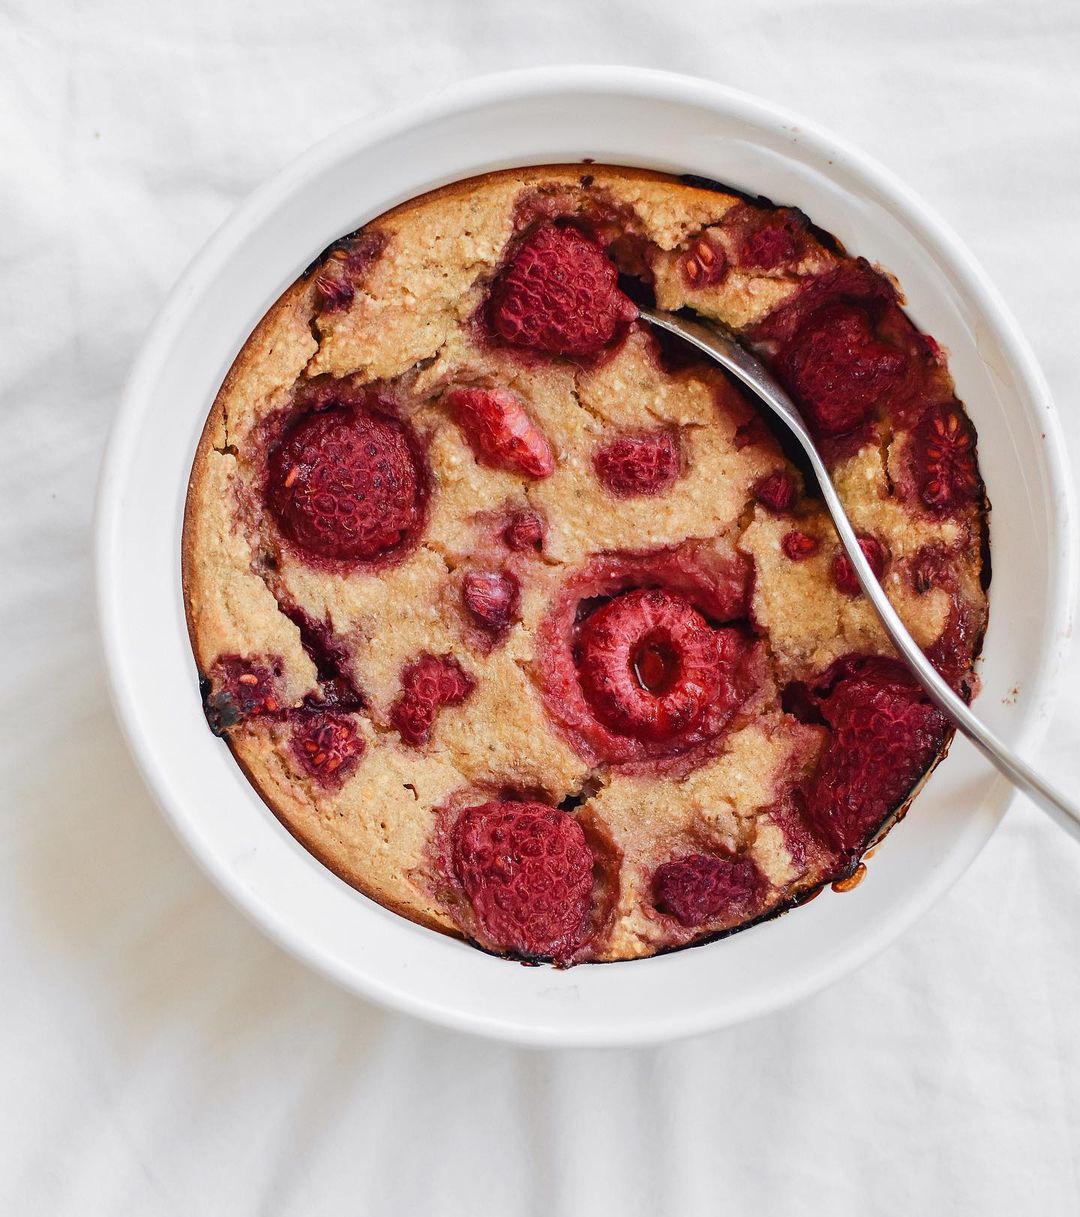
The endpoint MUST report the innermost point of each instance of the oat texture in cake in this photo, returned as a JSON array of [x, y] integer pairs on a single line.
[[519, 616]]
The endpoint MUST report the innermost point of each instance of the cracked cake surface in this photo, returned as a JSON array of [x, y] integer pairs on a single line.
[[519, 616]]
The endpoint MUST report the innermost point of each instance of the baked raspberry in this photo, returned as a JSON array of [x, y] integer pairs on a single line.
[[491, 598], [528, 873], [953, 652], [524, 530], [344, 267], [559, 294], [336, 293], [638, 464], [854, 282], [799, 545], [788, 814], [843, 573], [837, 370], [500, 431], [943, 447], [772, 243], [429, 683], [714, 581], [752, 431], [709, 887], [327, 745], [705, 263], [650, 664], [239, 688], [345, 484], [884, 735], [776, 492], [932, 566]]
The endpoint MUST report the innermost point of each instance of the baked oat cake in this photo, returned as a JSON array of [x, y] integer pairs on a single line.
[[517, 614]]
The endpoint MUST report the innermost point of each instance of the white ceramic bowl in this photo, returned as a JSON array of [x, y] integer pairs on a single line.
[[618, 116]]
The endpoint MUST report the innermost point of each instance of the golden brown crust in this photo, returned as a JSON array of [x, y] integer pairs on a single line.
[[409, 322]]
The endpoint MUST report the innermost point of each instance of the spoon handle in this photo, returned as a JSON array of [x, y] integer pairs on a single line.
[[727, 352], [1021, 774]]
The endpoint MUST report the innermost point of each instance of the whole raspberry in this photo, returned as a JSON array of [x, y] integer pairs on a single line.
[[884, 735], [843, 572], [776, 492], [709, 582], [500, 431], [943, 448], [559, 294], [705, 263], [429, 683], [650, 665], [345, 484], [528, 872], [327, 745], [238, 688], [638, 464], [799, 545], [837, 369], [708, 887], [491, 598], [524, 530]]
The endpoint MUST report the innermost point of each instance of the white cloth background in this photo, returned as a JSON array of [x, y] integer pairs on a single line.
[[157, 1054]]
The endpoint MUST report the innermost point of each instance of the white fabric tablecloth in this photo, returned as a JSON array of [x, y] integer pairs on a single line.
[[157, 1054]]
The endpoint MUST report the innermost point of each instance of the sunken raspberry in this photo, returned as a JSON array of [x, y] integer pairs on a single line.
[[943, 447], [650, 665], [799, 545], [931, 566], [935, 567], [776, 492], [500, 431], [239, 688], [524, 530], [709, 887], [344, 267], [429, 683], [749, 433], [705, 263], [953, 652], [327, 745], [843, 573], [772, 243], [559, 294], [491, 598], [638, 464], [837, 369], [336, 293], [528, 873], [345, 484], [884, 735]]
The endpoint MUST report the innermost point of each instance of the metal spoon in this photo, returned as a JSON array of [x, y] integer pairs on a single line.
[[727, 352]]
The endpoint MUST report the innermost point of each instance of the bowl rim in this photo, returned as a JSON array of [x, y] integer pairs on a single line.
[[536, 83]]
